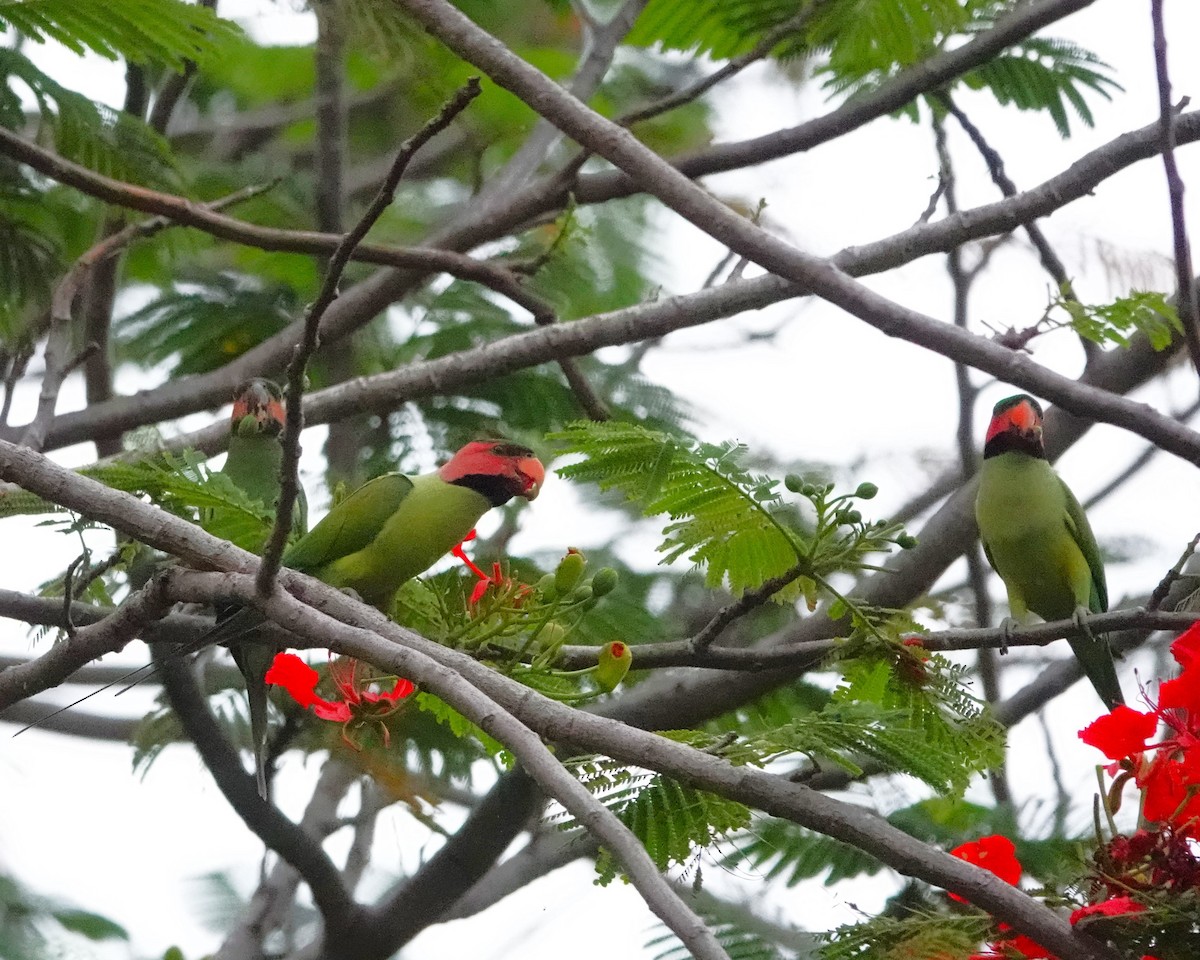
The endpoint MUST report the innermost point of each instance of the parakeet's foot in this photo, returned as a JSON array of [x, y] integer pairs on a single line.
[[1080, 616], [1009, 627]]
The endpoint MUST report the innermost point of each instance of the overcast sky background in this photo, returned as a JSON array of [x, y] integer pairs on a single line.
[[75, 822]]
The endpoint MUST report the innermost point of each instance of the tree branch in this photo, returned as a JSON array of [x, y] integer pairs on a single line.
[[177, 398], [289, 481], [1189, 315]]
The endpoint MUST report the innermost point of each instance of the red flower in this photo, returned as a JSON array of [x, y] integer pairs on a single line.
[[359, 705], [1186, 646], [995, 854], [1112, 907], [1183, 692], [481, 587], [1120, 733]]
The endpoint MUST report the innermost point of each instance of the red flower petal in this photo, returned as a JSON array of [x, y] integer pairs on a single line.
[[1186, 647], [338, 712], [480, 589], [344, 672], [1112, 907], [1183, 691], [1028, 947], [995, 853], [296, 677], [1120, 733]]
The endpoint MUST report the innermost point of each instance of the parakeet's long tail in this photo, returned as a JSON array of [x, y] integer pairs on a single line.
[[1096, 659]]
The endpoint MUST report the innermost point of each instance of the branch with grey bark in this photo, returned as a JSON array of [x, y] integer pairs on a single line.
[[177, 398]]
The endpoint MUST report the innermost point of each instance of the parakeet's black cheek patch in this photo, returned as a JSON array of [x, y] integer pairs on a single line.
[[498, 490]]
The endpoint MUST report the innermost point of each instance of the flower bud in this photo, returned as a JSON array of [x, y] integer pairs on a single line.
[[906, 541], [546, 588], [552, 636], [794, 482], [569, 571], [613, 664], [604, 582], [866, 491]]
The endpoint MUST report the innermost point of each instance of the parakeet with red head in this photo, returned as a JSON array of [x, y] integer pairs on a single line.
[[1037, 538], [395, 527]]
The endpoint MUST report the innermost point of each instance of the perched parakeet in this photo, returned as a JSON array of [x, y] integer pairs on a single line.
[[395, 527], [1037, 538], [255, 453]]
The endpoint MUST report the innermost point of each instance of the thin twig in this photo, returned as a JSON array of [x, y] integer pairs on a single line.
[[1164, 585], [289, 481], [748, 601], [1189, 316]]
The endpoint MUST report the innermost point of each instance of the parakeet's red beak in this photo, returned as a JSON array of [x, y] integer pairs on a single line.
[[532, 475], [263, 402]]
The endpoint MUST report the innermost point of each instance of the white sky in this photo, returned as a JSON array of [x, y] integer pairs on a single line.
[[75, 822]]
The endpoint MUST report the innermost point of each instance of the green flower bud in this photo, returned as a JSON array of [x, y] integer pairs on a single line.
[[552, 636], [613, 664], [866, 491], [851, 516], [569, 571], [581, 594], [906, 541], [546, 588], [794, 482], [604, 582], [808, 490]]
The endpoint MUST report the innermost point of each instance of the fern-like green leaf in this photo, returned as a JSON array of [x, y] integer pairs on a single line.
[[887, 938], [725, 519], [109, 141], [1043, 73], [673, 821], [738, 942], [169, 32]]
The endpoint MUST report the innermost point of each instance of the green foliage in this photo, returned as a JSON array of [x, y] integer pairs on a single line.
[[169, 32], [866, 42], [1042, 73], [181, 485], [777, 849], [674, 821], [108, 141], [199, 327], [34, 926], [1143, 311], [732, 523], [889, 938], [460, 726]]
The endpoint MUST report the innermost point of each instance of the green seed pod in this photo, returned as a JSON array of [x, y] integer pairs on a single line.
[[613, 664], [794, 482], [866, 491], [569, 571], [604, 582]]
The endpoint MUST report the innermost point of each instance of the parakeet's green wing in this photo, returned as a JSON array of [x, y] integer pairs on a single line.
[[1081, 533], [350, 525]]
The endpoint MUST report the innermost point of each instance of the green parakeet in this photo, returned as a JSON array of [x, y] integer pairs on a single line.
[[395, 527], [255, 454], [1037, 538]]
